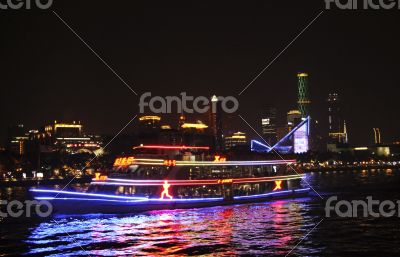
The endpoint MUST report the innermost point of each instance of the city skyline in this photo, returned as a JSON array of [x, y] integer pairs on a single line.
[[257, 128], [220, 53]]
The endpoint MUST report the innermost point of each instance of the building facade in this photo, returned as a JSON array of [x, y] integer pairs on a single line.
[[269, 126], [236, 139]]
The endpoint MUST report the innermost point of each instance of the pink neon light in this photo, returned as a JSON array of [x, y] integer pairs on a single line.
[[111, 181], [173, 147]]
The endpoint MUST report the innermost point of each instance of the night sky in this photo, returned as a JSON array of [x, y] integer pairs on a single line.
[[201, 48]]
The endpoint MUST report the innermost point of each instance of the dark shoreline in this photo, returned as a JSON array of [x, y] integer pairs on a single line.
[[347, 168]]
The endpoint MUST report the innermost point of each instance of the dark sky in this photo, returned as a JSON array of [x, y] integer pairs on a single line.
[[202, 48]]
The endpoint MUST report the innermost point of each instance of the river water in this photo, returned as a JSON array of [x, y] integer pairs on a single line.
[[260, 229]]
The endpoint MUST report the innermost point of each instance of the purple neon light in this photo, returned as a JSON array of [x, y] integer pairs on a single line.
[[195, 182]]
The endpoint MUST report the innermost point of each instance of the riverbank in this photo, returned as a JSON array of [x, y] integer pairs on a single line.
[[350, 167]]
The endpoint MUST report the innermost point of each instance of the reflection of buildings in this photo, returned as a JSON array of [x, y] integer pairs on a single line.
[[269, 127], [234, 140], [337, 136]]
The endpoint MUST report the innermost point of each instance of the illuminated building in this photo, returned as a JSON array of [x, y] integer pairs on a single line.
[[200, 126], [236, 139], [215, 114], [70, 138], [194, 134], [296, 141], [64, 130], [337, 126], [293, 118], [16, 139], [150, 122], [269, 127], [377, 135], [303, 95]]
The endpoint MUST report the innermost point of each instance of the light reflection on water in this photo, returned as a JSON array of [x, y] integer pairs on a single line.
[[267, 228]]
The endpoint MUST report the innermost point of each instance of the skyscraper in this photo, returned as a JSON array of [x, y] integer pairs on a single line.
[[337, 125], [216, 122], [303, 95], [377, 135], [293, 119], [268, 123]]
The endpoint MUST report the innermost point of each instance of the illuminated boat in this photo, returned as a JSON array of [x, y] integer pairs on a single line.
[[140, 184]]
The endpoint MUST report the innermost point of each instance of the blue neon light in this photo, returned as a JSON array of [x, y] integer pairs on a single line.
[[270, 194], [91, 199], [211, 199], [87, 194], [144, 199], [278, 144]]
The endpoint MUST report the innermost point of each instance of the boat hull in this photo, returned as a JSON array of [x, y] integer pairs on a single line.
[[81, 203]]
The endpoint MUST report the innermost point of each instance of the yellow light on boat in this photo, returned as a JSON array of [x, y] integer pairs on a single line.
[[278, 185], [99, 177], [124, 161]]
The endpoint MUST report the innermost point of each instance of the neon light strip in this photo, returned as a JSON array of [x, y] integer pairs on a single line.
[[86, 194], [269, 148], [211, 199], [172, 147], [91, 199], [214, 163], [192, 182], [232, 163], [269, 194]]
